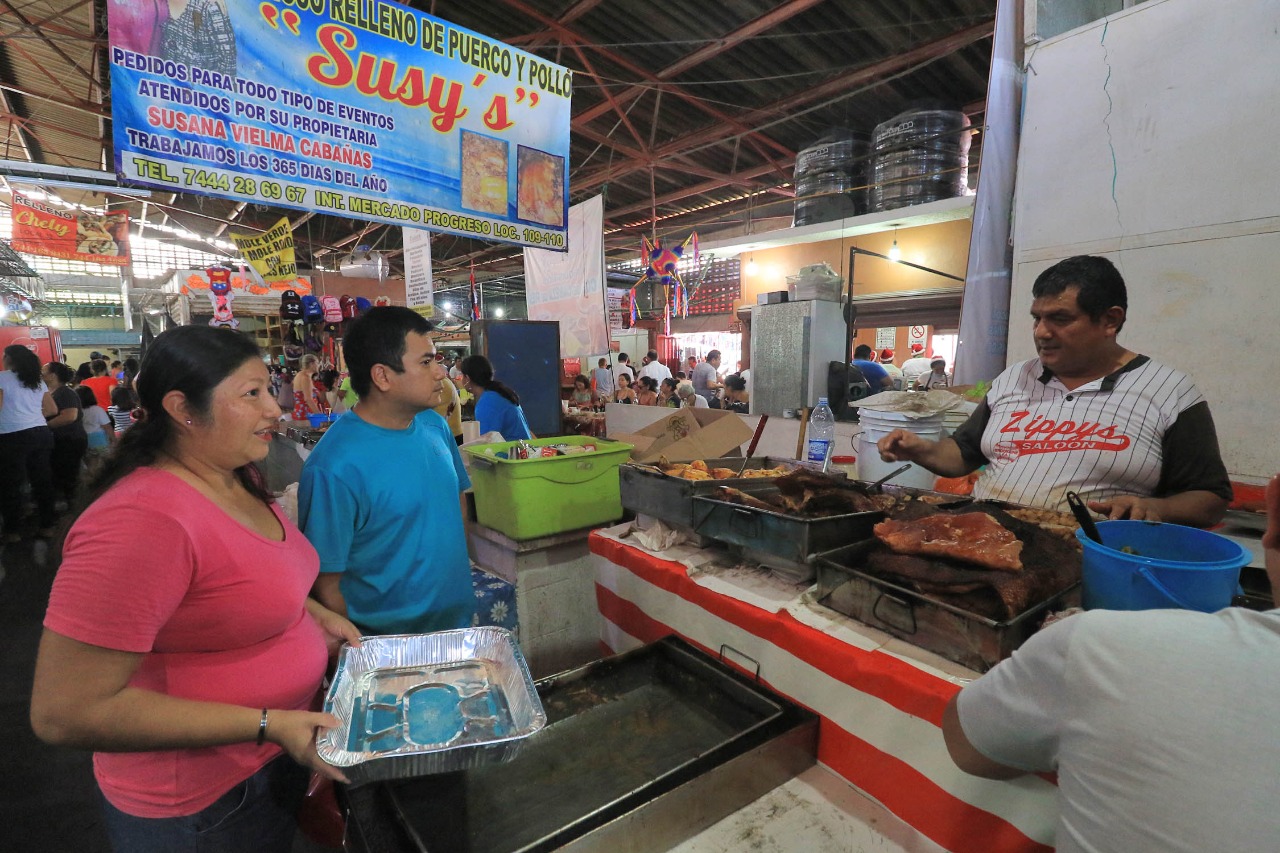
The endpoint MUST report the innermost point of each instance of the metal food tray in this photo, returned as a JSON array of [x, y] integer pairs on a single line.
[[641, 751], [647, 490], [791, 537], [415, 704], [959, 635]]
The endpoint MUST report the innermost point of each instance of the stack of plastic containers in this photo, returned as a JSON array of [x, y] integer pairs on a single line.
[[831, 178], [920, 156]]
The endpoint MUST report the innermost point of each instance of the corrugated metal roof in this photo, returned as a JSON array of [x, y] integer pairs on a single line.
[[710, 101]]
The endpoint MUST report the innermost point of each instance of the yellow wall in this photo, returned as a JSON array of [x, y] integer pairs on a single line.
[[944, 247]]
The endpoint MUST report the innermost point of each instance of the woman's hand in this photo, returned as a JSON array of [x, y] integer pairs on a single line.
[[295, 732], [337, 629]]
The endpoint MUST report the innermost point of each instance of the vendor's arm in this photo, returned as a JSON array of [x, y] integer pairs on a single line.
[[81, 698], [1194, 488], [954, 456], [47, 407], [941, 457]]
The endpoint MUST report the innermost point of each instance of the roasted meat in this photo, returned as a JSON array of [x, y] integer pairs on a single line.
[[737, 496], [1050, 565], [971, 537]]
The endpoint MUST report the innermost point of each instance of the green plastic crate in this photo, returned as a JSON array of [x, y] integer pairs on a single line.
[[528, 498]]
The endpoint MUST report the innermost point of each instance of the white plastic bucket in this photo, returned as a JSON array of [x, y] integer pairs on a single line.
[[875, 426]]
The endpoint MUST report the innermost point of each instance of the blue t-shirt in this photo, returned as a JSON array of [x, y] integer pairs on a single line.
[[498, 414], [382, 507], [874, 373]]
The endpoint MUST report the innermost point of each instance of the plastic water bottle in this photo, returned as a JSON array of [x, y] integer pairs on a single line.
[[822, 433]]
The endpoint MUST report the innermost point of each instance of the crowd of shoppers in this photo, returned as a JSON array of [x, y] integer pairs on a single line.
[[53, 421]]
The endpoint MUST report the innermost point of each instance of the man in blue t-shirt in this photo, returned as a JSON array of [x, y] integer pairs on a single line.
[[877, 377], [380, 494]]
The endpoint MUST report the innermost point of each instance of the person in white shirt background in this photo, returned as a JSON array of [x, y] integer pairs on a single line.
[[654, 368], [623, 366], [936, 377], [914, 367]]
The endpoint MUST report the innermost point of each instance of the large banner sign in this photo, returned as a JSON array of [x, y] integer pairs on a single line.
[[270, 253], [568, 286], [99, 238], [368, 110]]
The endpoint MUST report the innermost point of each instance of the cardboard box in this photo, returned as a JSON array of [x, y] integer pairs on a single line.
[[688, 434]]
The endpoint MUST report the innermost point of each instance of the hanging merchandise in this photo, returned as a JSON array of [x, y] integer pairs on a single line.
[[662, 263], [348, 303], [311, 310], [292, 347], [331, 308], [362, 306], [15, 308], [662, 267], [475, 295], [221, 295], [290, 307], [381, 301]]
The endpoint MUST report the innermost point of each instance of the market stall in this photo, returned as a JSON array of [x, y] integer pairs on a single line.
[[880, 699]]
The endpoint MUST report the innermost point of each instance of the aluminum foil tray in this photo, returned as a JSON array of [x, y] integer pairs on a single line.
[[416, 704]]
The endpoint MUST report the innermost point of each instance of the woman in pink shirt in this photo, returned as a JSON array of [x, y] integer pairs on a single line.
[[181, 643]]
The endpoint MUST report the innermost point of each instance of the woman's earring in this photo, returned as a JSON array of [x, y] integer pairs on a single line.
[[188, 421]]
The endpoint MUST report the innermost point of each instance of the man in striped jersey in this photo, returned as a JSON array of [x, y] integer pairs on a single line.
[[1133, 437]]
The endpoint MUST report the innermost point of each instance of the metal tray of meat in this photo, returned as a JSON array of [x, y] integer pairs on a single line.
[[792, 537], [647, 490], [641, 751], [415, 704], [971, 639]]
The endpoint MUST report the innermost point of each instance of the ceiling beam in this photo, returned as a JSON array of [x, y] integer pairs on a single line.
[[47, 24], [604, 90], [752, 28], [231, 217], [838, 85], [573, 13], [72, 103], [568, 35], [52, 45]]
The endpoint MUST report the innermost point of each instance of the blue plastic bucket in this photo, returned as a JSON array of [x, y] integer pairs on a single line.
[[1173, 567]]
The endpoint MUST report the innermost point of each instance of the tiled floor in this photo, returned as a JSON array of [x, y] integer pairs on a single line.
[[816, 812], [47, 795]]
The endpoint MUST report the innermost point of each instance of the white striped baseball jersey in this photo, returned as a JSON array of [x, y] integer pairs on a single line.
[[1138, 431]]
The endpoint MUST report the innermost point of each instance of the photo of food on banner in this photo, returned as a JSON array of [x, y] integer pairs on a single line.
[[484, 173], [97, 234], [540, 187]]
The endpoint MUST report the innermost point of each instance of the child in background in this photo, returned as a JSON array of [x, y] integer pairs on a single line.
[[121, 409], [97, 423]]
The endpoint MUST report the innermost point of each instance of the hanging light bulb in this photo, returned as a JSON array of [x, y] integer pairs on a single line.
[[498, 312], [895, 254], [751, 266]]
